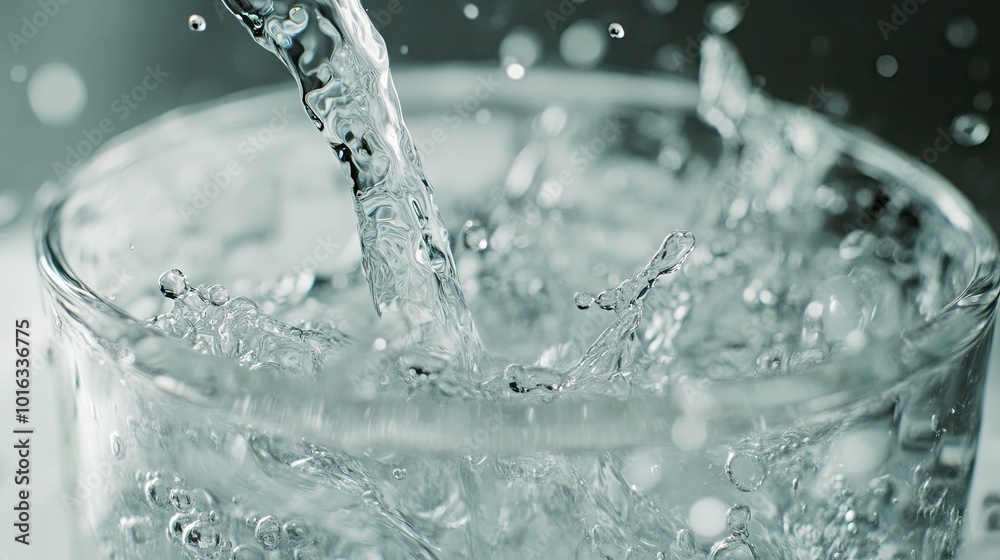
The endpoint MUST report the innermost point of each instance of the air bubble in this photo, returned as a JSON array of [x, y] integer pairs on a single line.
[[201, 537], [970, 129], [117, 447], [196, 23], [737, 519], [298, 532], [177, 524], [746, 470], [156, 493], [616, 31], [268, 532], [474, 236], [399, 473], [173, 284], [181, 500]]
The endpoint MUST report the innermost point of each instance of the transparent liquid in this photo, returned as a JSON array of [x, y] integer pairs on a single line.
[[785, 276]]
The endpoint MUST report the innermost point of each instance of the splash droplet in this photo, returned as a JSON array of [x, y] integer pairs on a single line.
[[196, 23], [173, 284], [616, 31], [474, 236], [970, 129], [723, 17]]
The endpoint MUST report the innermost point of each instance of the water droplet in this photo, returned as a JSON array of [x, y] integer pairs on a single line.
[[514, 71], [474, 236], [616, 31], [886, 66], [583, 44], [983, 101], [970, 129], [661, 7], [248, 552], [117, 446], [196, 23], [298, 531], [583, 300], [521, 46], [399, 473], [268, 532], [201, 537], [723, 17], [57, 94], [961, 32], [737, 518], [471, 11], [173, 284], [181, 500], [18, 74], [746, 470]]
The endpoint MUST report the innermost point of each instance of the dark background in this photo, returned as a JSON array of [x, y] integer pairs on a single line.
[[111, 42]]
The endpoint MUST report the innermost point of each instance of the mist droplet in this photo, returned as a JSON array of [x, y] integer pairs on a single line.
[[970, 129], [196, 23], [616, 31], [886, 66], [961, 32]]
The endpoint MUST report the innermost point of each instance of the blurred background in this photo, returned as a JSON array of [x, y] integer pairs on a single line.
[[904, 69], [922, 74]]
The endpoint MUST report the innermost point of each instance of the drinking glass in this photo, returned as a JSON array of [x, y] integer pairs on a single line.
[[179, 454]]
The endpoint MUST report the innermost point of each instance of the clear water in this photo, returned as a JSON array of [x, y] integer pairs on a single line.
[[802, 260]]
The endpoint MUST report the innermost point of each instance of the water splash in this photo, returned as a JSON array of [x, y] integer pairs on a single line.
[[341, 65]]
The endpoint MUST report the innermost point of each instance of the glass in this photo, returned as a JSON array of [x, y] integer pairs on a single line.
[[868, 455]]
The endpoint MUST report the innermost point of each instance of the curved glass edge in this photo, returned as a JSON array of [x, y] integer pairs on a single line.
[[211, 383]]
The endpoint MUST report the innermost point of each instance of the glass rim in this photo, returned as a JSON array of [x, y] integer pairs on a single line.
[[559, 426]]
